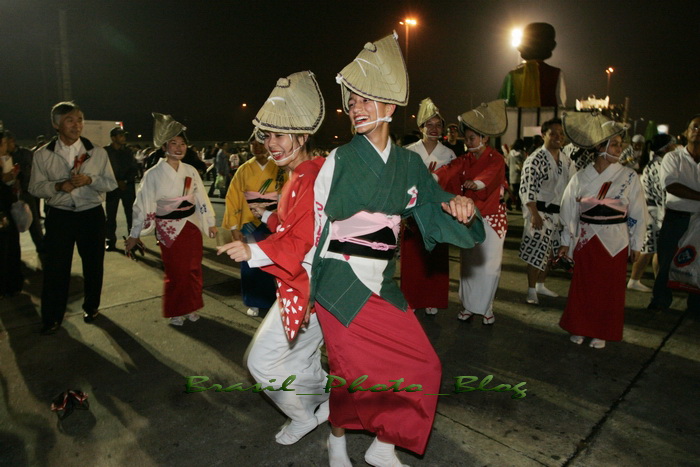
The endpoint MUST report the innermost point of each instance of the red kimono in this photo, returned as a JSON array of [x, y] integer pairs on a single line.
[[490, 169], [293, 236]]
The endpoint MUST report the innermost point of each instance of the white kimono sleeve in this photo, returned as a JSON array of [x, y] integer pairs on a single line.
[[569, 214], [144, 212], [204, 206]]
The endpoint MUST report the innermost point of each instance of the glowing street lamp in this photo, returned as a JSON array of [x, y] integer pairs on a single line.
[[609, 71], [516, 37], [407, 23]]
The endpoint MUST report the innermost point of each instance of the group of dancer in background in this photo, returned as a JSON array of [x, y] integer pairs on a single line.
[[323, 235]]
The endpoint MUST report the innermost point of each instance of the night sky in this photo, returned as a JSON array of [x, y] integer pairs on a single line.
[[201, 60]]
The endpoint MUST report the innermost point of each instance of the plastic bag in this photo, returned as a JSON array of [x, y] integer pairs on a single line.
[[22, 215], [685, 267]]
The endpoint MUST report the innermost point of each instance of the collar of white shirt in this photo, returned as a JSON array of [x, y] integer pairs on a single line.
[[385, 153], [69, 152]]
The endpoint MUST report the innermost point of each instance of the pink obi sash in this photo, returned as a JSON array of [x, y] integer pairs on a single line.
[[266, 200], [366, 234], [170, 215], [603, 211]]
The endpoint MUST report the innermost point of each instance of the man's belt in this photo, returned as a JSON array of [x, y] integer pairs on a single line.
[[186, 209], [383, 240], [550, 209]]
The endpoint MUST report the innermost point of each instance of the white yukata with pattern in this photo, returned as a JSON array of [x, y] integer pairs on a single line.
[[543, 180]]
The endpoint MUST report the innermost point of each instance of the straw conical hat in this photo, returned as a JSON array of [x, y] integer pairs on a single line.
[[164, 128], [488, 119], [589, 129], [294, 106], [427, 110], [377, 73]]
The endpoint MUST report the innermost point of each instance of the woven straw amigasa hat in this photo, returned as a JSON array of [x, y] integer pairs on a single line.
[[164, 128], [378, 73], [488, 119], [589, 129], [294, 106], [427, 110]]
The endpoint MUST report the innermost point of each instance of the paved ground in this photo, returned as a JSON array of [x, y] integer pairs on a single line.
[[633, 403]]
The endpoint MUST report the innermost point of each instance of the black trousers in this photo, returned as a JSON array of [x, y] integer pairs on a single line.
[[64, 229], [127, 196]]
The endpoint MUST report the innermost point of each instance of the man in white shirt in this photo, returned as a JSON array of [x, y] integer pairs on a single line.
[[680, 176], [72, 175]]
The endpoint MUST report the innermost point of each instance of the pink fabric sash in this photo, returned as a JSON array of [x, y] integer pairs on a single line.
[[167, 230], [167, 205], [364, 223], [616, 204]]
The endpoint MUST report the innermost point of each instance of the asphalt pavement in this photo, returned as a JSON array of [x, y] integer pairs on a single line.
[[632, 403]]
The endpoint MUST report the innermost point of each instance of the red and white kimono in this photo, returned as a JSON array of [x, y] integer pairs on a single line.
[[480, 266], [604, 216], [179, 214], [425, 276], [280, 347]]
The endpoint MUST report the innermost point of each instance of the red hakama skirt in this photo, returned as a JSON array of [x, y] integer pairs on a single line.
[[385, 344], [183, 273], [425, 276], [596, 303]]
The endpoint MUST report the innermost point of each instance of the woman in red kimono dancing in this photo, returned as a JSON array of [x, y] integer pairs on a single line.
[[480, 175], [282, 347], [171, 200], [604, 216]]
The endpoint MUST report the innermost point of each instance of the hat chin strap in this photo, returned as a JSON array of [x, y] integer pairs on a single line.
[[425, 134], [291, 155], [478, 148], [607, 155], [374, 122]]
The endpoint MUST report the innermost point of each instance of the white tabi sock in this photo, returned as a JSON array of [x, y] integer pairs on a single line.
[[381, 454], [542, 290], [290, 434], [338, 452], [532, 296]]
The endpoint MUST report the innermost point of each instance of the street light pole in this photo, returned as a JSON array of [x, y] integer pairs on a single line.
[[609, 71], [407, 22]]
